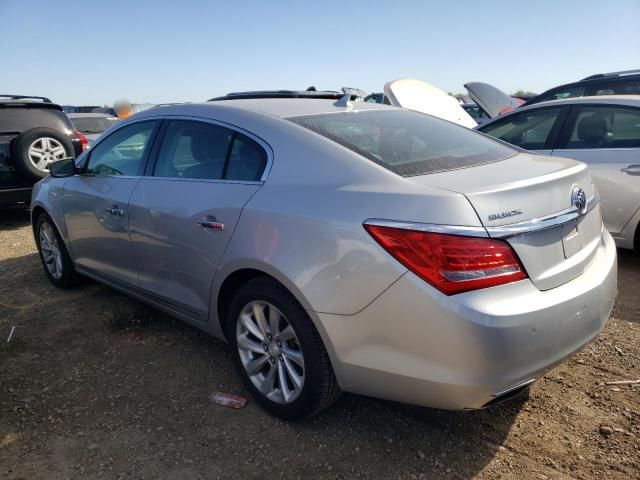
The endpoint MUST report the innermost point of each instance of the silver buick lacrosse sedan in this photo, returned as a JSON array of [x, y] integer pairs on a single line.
[[339, 246]]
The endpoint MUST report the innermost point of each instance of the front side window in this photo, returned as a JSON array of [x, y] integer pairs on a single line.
[[122, 152], [205, 151], [407, 143], [529, 130], [606, 127]]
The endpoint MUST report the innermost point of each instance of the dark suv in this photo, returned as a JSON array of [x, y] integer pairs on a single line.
[[614, 83], [33, 133]]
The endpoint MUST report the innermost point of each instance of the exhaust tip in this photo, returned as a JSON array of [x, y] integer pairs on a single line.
[[509, 393]]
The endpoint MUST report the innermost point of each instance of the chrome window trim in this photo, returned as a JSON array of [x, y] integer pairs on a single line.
[[503, 231], [265, 146]]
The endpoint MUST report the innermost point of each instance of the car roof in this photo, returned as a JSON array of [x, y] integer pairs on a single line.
[[89, 115], [277, 107], [594, 79]]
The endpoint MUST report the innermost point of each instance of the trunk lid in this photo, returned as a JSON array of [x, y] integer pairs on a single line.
[[526, 191], [492, 100], [416, 95]]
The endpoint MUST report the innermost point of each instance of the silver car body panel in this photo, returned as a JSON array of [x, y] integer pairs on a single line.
[[303, 225]]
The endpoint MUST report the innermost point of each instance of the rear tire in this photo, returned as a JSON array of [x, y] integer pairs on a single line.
[[53, 254], [35, 149], [284, 344]]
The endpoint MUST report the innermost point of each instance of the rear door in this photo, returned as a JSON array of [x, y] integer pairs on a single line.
[[533, 129], [184, 210], [607, 138], [96, 203]]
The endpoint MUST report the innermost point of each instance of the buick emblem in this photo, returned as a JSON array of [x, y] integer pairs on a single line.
[[579, 199]]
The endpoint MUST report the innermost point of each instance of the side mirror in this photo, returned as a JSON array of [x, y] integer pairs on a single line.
[[63, 168]]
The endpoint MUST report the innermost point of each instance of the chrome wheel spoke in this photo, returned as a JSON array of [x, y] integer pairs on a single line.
[[255, 365], [282, 382], [51, 253], [267, 386], [258, 314], [286, 334], [294, 355], [248, 323], [296, 379], [249, 345]]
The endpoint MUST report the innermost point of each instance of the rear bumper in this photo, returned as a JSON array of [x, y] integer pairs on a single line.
[[416, 345]]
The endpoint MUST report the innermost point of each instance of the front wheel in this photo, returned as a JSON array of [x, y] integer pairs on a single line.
[[279, 352], [53, 253]]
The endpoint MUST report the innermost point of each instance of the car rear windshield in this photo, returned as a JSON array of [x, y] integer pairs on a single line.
[[91, 125], [407, 143]]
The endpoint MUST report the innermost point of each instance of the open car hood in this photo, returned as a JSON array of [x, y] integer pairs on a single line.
[[422, 97], [492, 100]]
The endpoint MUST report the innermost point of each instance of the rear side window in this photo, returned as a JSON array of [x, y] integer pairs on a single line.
[[631, 87], [606, 127], [529, 130], [201, 150], [559, 94], [193, 150], [405, 142]]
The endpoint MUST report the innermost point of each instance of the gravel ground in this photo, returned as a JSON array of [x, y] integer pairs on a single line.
[[96, 385]]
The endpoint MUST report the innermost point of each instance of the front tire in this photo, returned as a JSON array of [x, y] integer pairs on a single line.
[[53, 253], [279, 352]]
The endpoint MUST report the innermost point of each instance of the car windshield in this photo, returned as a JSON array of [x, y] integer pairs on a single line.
[[91, 125], [407, 143]]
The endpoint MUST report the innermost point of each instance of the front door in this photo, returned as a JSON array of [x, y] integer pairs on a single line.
[[96, 202], [184, 211]]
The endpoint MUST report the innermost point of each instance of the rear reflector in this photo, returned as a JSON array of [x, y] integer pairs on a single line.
[[451, 263]]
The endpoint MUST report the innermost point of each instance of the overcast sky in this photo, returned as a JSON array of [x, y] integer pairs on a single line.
[[93, 52]]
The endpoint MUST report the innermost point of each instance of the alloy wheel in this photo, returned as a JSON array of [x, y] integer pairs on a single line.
[[270, 352], [44, 151], [50, 248]]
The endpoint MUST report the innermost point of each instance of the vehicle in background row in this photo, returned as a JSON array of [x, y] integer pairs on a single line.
[[340, 245], [92, 125], [88, 109], [476, 112], [417, 95], [603, 132], [34, 132], [614, 83], [492, 100]]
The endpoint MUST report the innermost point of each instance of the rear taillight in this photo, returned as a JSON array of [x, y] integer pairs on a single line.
[[451, 263], [83, 141]]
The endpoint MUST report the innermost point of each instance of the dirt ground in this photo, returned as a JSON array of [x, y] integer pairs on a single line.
[[96, 385]]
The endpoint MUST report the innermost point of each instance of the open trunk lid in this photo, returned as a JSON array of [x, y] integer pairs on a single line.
[[492, 100], [530, 200], [420, 96]]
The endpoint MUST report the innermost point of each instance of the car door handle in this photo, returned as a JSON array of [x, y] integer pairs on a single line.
[[114, 210], [632, 170], [211, 223]]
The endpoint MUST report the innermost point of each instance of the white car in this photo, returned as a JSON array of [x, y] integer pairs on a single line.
[[604, 133]]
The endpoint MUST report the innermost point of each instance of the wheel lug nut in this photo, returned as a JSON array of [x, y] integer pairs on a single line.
[[268, 337], [279, 343], [281, 358], [272, 360], [265, 347]]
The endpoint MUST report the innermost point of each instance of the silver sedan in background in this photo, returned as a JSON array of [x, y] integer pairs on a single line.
[[339, 246], [92, 125]]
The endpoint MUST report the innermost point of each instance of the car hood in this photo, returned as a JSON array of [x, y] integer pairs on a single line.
[[420, 96], [492, 100]]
